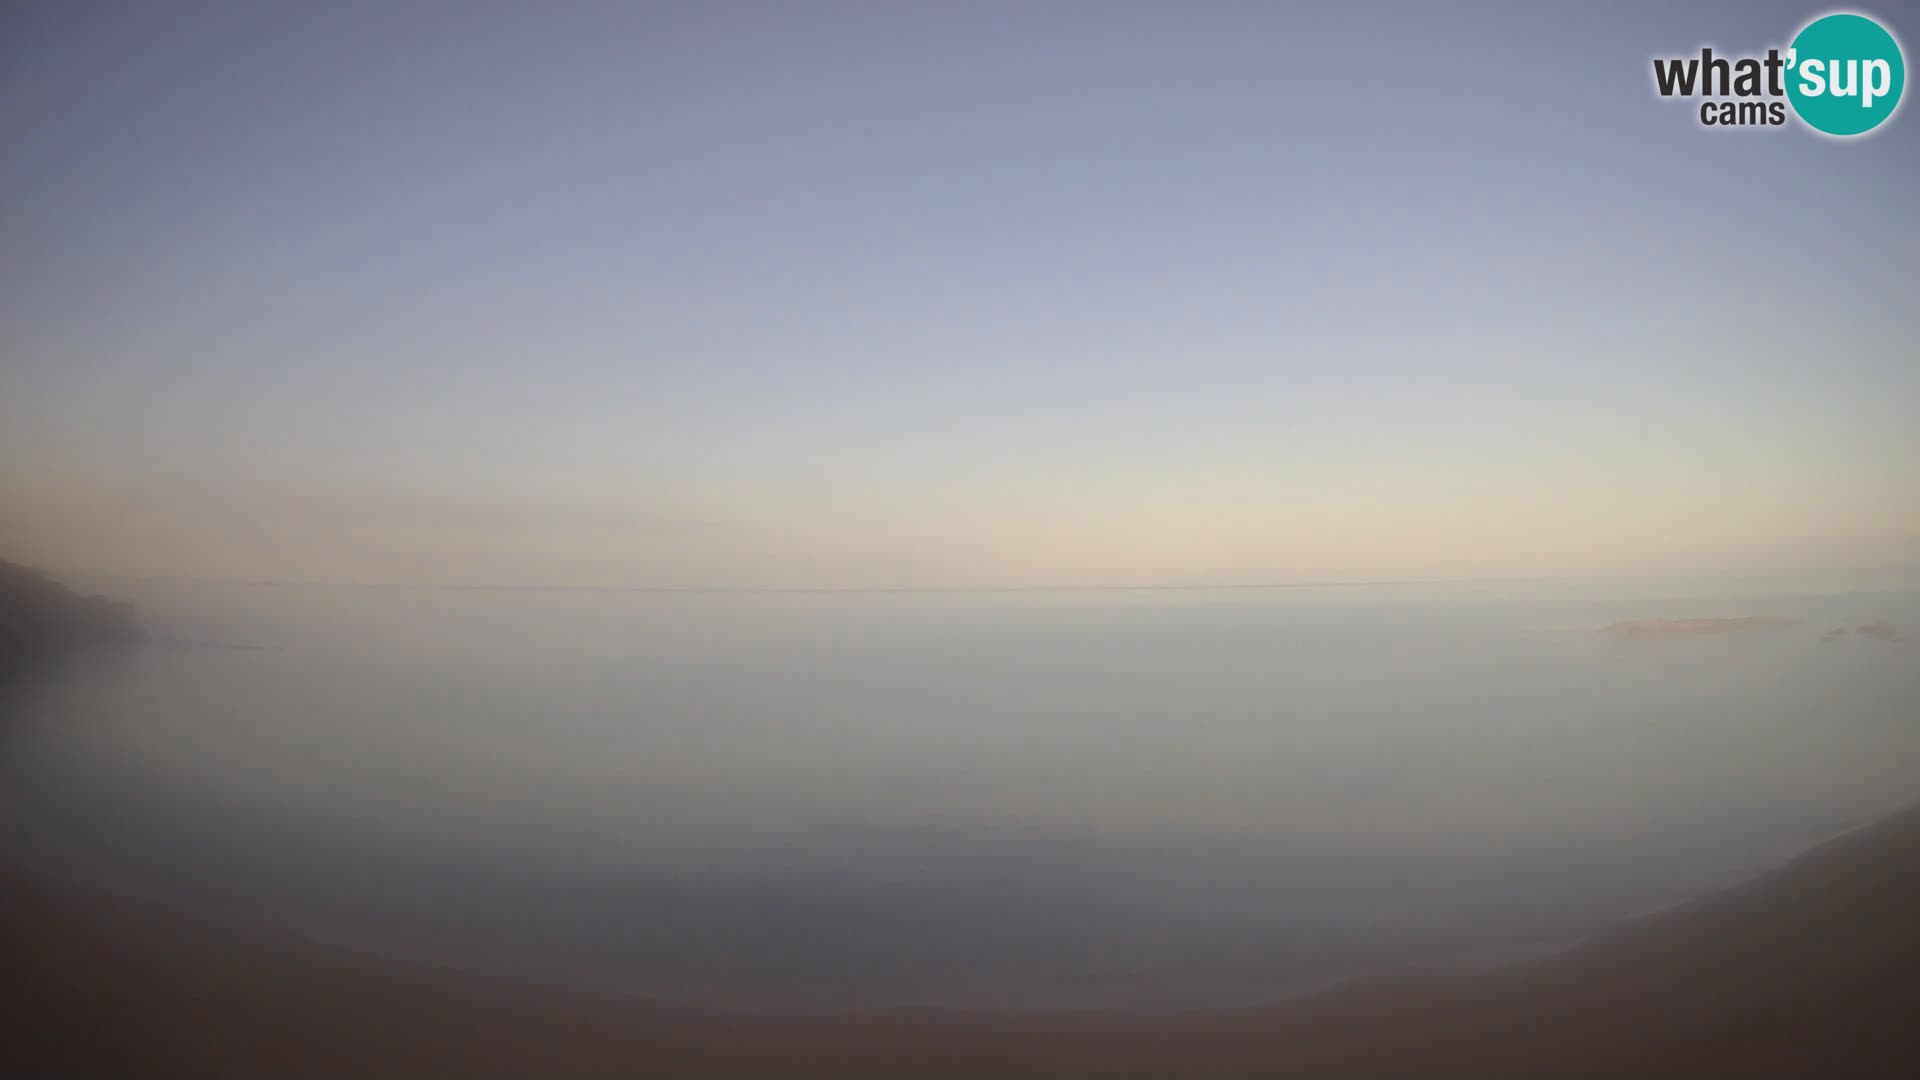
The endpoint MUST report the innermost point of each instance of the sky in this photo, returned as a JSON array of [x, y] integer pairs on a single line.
[[848, 295]]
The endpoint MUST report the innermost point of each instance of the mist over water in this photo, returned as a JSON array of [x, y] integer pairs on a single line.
[[1059, 799]]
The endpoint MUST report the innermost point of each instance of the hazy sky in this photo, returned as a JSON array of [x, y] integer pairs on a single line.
[[916, 294]]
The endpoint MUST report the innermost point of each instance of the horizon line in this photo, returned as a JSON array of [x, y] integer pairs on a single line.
[[294, 583], [884, 590]]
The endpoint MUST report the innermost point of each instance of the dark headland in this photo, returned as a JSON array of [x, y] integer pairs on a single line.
[[42, 621], [1808, 970]]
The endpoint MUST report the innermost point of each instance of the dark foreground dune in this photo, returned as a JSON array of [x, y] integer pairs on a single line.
[[1811, 970]]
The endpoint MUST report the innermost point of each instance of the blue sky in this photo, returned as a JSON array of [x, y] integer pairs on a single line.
[[937, 294]]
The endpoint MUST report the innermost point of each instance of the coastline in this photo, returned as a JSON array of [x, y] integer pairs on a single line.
[[1490, 952], [1805, 968]]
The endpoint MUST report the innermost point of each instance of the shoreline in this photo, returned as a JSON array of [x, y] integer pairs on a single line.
[[1489, 953], [1805, 969]]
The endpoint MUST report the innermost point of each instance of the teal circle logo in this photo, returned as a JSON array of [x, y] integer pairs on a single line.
[[1845, 74]]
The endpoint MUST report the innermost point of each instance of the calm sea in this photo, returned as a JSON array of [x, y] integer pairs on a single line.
[[1144, 799]]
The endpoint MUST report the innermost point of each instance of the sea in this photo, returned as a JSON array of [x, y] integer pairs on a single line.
[[1134, 798]]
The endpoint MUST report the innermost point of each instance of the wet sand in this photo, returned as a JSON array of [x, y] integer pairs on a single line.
[[1810, 969]]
